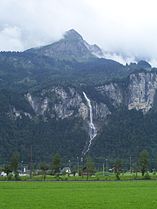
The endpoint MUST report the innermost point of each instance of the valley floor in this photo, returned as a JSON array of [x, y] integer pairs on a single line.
[[78, 195]]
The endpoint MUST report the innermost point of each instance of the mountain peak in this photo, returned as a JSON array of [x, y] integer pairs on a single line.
[[144, 64], [71, 47], [72, 35]]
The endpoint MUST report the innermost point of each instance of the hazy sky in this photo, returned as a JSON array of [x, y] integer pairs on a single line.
[[125, 26]]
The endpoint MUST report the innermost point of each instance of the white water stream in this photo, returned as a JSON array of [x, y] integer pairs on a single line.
[[92, 129]]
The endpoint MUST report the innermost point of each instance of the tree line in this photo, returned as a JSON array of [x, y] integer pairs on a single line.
[[86, 168]]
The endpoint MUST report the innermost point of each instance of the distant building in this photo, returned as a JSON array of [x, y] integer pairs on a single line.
[[66, 170]]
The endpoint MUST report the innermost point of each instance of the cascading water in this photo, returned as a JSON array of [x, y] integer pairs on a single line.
[[92, 129]]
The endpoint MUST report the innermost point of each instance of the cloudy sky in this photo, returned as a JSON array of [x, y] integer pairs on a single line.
[[128, 27]]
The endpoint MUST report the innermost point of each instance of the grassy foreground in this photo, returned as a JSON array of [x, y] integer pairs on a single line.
[[78, 195]]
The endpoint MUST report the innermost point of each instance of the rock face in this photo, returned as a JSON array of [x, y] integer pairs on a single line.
[[61, 103], [112, 92], [138, 92], [142, 89]]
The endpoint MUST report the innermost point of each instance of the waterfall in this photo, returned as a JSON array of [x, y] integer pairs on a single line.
[[92, 129]]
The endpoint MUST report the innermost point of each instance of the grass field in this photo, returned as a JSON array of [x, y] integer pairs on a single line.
[[78, 195]]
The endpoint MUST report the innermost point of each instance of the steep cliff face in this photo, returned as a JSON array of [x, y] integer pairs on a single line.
[[141, 91], [61, 103], [113, 93], [57, 102], [138, 92]]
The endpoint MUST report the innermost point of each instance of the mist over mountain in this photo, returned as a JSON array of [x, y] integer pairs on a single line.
[[43, 103]]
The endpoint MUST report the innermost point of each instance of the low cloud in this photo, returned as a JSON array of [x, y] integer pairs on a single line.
[[10, 39], [120, 27]]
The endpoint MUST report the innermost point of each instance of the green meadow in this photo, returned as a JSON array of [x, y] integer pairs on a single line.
[[78, 195]]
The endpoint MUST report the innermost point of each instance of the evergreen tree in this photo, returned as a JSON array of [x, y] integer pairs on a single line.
[[56, 164], [143, 161]]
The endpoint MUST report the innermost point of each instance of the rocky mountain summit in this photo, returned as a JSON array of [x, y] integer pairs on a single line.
[[71, 47]]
